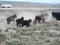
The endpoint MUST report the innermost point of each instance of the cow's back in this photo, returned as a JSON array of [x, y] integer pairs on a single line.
[[56, 15]]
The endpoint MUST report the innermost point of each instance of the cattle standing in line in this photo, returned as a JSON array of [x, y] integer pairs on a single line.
[[19, 21], [11, 18], [56, 15], [26, 23]]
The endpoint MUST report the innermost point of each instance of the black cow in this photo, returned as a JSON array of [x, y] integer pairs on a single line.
[[56, 15], [26, 23], [19, 21], [11, 18]]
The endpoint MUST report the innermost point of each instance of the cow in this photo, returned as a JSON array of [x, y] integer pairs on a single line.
[[26, 23], [56, 15], [38, 18], [19, 21], [11, 18]]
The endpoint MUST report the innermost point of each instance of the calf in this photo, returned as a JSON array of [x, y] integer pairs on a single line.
[[26, 23], [19, 21]]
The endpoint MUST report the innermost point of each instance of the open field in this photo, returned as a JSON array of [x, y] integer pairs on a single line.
[[39, 34]]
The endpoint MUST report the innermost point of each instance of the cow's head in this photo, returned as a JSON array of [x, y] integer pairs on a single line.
[[22, 18]]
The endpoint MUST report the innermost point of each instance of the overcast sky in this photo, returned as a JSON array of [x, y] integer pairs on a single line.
[[40, 1]]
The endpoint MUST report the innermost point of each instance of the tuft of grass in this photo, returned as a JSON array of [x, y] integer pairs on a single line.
[[56, 42], [47, 41], [15, 43], [6, 30], [2, 37], [0, 30]]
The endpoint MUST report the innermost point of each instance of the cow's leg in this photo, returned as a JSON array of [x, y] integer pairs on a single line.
[[8, 22], [28, 25], [43, 20], [17, 24], [22, 25], [39, 21]]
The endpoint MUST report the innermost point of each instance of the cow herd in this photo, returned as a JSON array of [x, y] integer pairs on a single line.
[[19, 22], [22, 22]]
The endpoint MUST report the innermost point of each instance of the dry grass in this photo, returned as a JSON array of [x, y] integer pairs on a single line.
[[39, 34]]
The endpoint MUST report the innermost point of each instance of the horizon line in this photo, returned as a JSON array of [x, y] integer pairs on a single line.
[[29, 2]]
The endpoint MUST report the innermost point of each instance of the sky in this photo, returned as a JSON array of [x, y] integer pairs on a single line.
[[38, 1]]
